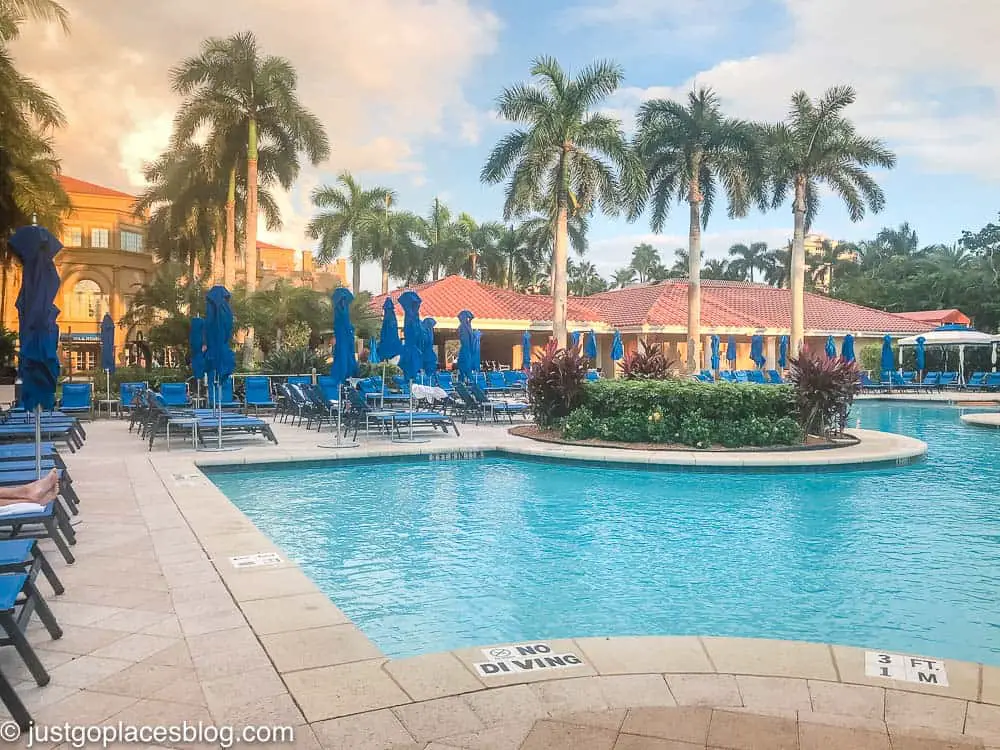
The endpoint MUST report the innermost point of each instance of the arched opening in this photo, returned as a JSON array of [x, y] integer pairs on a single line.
[[86, 302]]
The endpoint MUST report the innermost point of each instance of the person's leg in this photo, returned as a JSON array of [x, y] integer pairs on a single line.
[[40, 491]]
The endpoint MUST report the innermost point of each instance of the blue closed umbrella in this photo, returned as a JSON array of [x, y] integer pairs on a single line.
[[219, 358], [345, 365], [196, 340], [716, 347], [831, 347], [477, 350], [373, 357], [590, 347], [412, 358], [38, 361], [617, 347], [525, 350], [731, 351], [107, 343], [888, 363], [921, 356], [430, 351], [574, 339], [783, 352], [757, 350], [847, 348], [388, 343], [465, 344]]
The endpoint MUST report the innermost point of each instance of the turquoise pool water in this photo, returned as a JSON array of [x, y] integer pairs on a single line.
[[428, 556]]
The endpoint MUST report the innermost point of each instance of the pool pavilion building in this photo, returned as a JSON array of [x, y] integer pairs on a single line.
[[655, 312]]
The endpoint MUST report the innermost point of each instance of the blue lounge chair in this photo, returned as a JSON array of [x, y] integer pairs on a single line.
[[49, 522], [16, 589], [992, 382], [128, 396], [756, 376], [948, 380], [592, 375], [175, 395], [77, 398], [495, 380], [387, 420], [932, 380], [445, 382], [257, 393], [227, 401], [909, 376], [496, 408], [299, 380], [976, 381], [775, 377]]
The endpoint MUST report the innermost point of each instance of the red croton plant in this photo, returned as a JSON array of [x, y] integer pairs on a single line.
[[555, 383], [825, 388], [649, 363]]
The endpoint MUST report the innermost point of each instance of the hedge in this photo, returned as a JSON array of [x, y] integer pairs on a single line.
[[690, 413]]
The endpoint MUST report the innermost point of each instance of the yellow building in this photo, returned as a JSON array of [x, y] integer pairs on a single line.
[[105, 259]]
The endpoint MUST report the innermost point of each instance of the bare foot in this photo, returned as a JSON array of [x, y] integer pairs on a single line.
[[44, 490]]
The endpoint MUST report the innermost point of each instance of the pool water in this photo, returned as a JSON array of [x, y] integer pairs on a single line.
[[428, 556]]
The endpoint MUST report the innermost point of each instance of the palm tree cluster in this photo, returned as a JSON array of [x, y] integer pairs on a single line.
[[567, 158], [239, 134]]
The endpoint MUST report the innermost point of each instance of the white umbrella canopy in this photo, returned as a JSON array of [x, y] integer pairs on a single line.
[[954, 337]]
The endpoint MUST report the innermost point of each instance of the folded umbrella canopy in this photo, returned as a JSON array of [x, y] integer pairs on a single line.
[[477, 350], [716, 346], [107, 343], [757, 350], [847, 348], [38, 361], [373, 357], [465, 344], [525, 350], [430, 362], [888, 363], [388, 342], [196, 341], [219, 358], [411, 359], [617, 347], [922, 356], [574, 339], [345, 364], [731, 351], [590, 347], [831, 347], [783, 352]]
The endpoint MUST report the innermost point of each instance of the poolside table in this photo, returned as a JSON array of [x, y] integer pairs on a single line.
[[191, 422]]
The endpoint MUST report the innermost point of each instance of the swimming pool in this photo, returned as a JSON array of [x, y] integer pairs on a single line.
[[428, 556]]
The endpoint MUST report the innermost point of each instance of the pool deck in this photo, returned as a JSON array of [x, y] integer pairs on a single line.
[[991, 419], [160, 628]]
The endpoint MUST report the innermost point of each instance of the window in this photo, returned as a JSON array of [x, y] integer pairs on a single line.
[[86, 302], [131, 241], [100, 238], [74, 237], [84, 358]]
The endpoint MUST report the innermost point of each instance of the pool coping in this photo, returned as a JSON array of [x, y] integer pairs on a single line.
[[989, 419], [340, 680]]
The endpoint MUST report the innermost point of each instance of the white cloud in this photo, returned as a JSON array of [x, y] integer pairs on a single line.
[[381, 75], [906, 58]]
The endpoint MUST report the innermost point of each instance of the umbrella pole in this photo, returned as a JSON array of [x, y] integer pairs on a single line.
[[218, 405], [340, 441], [108, 372], [38, 441]]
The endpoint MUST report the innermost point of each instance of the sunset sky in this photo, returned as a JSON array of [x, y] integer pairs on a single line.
[[406, 87]]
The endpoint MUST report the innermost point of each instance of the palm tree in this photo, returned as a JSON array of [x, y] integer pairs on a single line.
[[682, 264], [748, 258], [390, 235], [778, 266], [250, 99], [567, 160], [479, 247], [823, 265], [689, 153], [584, 279], [624, 276], [645, 261], [716, 269], [818, 145], [445, 243], [346, 205]]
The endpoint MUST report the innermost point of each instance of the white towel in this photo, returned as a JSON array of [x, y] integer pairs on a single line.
[[15, 509]]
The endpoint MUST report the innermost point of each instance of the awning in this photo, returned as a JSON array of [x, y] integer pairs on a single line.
[[92, 338]]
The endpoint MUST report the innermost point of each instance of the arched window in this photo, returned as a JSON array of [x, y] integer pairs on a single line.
[[86, 301]]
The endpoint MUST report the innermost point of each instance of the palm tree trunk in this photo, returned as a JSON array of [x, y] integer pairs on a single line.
[[3, 290], [385, 272], [510, 272], [250, 249], [218, 264], [472, 265], [229, 269], [355, 272], [798, 272], [560, 256], [694, 277]]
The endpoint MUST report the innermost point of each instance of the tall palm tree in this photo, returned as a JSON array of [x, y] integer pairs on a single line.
[[345, 206], [778, 266], [682, 264], [444, 241], [13, 13], [584, 279], [747, 259], [818, 145], [623, 277], [645, 261], [716, 269], [566, 160], [824, 264], [479, 247], [391, 234], [691, 152], [245, 96]]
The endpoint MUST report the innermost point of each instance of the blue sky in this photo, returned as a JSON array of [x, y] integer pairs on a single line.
[[406, 88]]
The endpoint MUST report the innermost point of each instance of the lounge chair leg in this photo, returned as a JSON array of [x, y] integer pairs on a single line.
[[27, 653], [47, 571], [14, 705], [57, 539], [44, 613]]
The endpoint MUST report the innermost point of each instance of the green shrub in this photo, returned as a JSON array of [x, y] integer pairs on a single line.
[[686, 412], [367, 369], [555, 384], [295, 362], [153, 377]]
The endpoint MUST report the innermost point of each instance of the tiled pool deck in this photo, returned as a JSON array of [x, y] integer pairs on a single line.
[[161, 628]]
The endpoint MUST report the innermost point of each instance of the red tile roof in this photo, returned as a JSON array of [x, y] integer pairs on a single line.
[[82, 187], [261, 245], [938, 316], [724, 305]]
